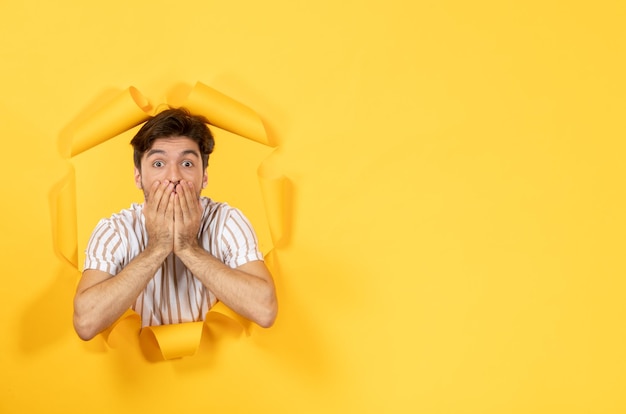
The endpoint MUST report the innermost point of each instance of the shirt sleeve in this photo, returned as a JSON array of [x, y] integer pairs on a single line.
[[105, 250], [240, 243]]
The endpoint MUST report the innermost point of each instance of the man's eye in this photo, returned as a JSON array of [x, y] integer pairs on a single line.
[[187, 164], [157, 164]]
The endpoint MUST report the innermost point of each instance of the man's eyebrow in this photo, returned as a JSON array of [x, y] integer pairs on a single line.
[[182, 153], [190, 152], [154, 151]]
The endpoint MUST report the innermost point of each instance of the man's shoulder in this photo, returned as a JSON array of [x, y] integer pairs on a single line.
[[134, 210], [125, 217], [217, 212], [210, 206]]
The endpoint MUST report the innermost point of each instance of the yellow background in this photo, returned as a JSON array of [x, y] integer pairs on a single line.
[[457, 236]]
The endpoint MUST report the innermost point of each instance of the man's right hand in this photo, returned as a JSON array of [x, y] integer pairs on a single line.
[[159, 214]]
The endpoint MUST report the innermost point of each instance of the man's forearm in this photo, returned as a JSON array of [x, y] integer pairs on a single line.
[[249, 292], [98, 306]]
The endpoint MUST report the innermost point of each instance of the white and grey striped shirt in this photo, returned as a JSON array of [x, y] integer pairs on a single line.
[[173, 295]]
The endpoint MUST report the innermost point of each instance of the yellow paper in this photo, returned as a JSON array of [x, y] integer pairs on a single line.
[[65, 226], [127, 110], [127, 325], [226, 113], [165, 342], [222, 315], [174, 341], [273, 187]]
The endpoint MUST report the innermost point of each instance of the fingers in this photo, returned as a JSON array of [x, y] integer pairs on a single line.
[[170, 209], [187, 202], [187, 216], [159, 215], [178, 214], [160, 196]]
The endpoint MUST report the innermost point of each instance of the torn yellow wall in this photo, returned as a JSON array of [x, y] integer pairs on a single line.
[[454, 239]]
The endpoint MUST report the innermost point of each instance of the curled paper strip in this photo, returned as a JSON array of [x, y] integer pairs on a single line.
[[122, 113], [65, 234], [127, 110], [274, 187], [170, 341], [166, 342], [226, 113]]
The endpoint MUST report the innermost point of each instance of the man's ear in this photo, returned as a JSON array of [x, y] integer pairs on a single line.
[[138, 178], [205, 179]]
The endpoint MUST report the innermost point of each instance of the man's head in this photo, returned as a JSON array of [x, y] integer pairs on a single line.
[[172, 146], [174, 122]]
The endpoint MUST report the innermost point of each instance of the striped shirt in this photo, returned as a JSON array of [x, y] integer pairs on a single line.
[[173, 295]]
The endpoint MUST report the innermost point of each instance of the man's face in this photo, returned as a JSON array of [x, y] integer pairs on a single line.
[[173, 159]]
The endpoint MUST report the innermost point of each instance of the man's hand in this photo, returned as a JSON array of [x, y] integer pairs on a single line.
[[187, 216], [159, 214]]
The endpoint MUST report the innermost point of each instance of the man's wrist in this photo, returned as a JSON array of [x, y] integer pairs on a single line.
[[158, 252], [189, 252]]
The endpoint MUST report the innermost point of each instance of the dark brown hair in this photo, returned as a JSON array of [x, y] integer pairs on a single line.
[[174, 122]]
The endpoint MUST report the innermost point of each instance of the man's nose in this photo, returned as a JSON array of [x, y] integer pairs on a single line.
[[173, 174]]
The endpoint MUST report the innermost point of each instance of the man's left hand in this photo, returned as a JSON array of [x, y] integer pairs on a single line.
[[187, 216]]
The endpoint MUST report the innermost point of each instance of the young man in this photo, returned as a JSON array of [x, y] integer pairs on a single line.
[[174, 256]]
